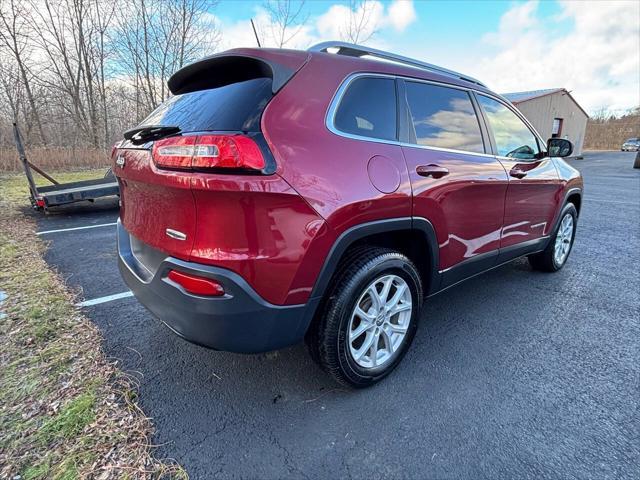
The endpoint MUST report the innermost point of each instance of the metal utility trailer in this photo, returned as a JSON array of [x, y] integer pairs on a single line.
[[63, 193]]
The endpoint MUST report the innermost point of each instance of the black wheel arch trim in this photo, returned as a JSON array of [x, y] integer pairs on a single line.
[[567, 194], [570, 192], [363, 230]]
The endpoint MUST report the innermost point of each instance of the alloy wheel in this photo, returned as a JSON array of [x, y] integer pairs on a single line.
[[563, 239], [379, 322]]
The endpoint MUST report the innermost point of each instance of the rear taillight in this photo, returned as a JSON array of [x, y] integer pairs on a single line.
[[208, 151], [197, 285]]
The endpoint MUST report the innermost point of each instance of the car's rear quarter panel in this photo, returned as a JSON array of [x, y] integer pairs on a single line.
[[258, 227], [328, 170]]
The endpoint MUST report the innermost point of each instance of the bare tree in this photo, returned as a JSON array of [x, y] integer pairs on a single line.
[[360, 25], [77, 73], [102, 16], [11, 89], [65, 35], [14, 37], [607, 131], [163, 37], [287, 18]]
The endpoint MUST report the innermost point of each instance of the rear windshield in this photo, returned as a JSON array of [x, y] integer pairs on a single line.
[[235, 107]]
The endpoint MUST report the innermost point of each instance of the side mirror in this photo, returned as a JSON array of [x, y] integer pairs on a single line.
[[559, 147]]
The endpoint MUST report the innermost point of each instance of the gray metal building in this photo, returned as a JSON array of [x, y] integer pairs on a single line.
[[553, 113]]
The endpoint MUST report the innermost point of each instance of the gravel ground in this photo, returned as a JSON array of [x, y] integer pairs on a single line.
[[513, 374]]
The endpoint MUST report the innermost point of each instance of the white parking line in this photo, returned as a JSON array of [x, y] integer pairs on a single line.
[[616, 202], [108, 298], [77, 228]]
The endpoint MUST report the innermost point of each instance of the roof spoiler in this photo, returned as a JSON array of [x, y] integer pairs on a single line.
[[230, 67]]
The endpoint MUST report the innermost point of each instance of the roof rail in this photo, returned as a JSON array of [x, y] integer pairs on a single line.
[[353, 50]]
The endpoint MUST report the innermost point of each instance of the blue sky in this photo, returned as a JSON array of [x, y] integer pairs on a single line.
[[471, 18], [591, 48]]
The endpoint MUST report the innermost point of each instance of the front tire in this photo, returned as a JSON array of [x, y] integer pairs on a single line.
[[369, 319], [554, 257]]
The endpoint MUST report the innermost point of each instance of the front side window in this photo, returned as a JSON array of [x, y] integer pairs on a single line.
[[513, 138], [443, 117], [368, 109]]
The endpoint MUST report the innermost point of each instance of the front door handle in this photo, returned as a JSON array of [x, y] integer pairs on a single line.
[[517, 173], [434, 171]]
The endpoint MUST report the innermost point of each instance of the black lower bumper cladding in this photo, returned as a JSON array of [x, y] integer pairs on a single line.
[[240, 321]]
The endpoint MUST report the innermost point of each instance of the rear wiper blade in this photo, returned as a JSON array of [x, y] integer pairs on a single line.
[[149, 133]]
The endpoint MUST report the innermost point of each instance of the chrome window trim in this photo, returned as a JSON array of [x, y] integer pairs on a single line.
[[337, 99]]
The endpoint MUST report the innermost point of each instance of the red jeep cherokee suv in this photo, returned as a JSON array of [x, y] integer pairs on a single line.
[[323, 194]]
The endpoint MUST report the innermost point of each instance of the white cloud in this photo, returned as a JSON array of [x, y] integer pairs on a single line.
[[591, 48], [333, 24], [370, 15], [598, 58], [240, 33], [401, 14], [336, 23]]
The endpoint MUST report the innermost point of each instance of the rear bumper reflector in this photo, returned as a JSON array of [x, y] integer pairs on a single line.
[[196, 285]]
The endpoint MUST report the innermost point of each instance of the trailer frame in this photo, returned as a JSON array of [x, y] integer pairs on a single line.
[[58, 193]]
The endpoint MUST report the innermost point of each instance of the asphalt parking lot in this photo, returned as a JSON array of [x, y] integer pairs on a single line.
[[514, 374]]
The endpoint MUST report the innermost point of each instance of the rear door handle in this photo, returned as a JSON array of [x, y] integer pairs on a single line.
[[517, 173], [434, 171]]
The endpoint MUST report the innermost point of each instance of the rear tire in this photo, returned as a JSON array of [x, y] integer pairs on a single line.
[[555, 256], [370, 317]]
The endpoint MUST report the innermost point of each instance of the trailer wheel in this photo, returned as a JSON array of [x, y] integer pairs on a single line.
[[636, 164]]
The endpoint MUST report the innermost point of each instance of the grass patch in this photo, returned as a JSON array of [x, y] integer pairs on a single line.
[[65, 411], [71, 420], [37, 471]]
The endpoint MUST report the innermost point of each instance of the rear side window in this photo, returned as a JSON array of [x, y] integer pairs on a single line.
[[234, 107], [513, 138], [443, 117], [368, 109]]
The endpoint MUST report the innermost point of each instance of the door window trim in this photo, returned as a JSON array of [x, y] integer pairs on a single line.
[[401, 110], [337, 100]]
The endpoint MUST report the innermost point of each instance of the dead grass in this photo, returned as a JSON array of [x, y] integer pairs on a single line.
[[54, 158], [65, 411]]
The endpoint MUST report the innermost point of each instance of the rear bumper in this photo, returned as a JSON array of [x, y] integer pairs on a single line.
[[240, 321]]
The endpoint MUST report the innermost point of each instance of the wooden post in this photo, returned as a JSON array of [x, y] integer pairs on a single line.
[[43, 173]]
